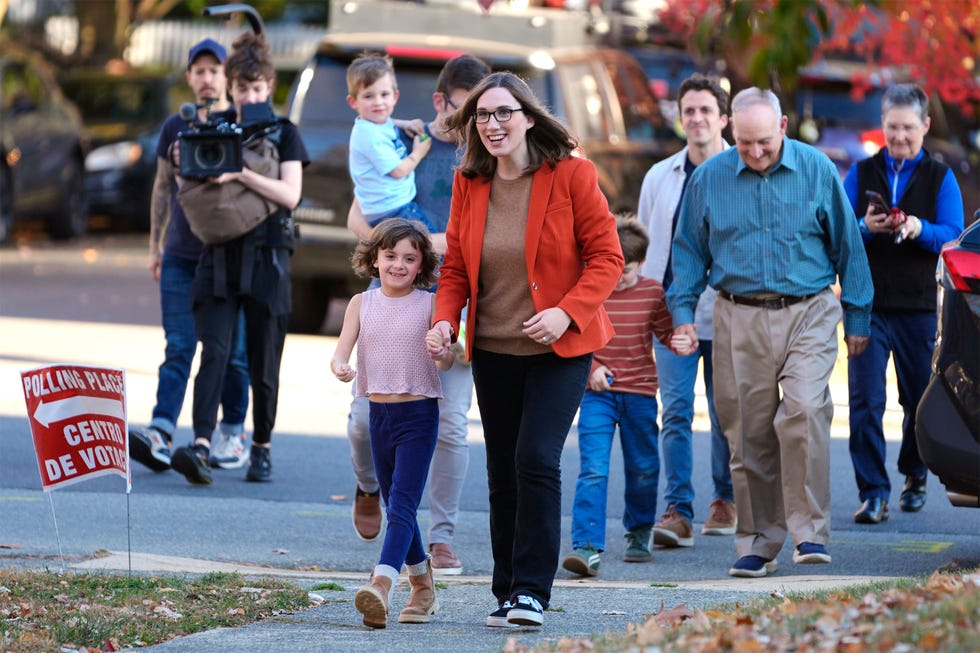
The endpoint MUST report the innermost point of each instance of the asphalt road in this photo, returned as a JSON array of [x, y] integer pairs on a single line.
[[94, 303]]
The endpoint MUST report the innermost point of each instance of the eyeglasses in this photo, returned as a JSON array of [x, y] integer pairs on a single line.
[[449, 101], [502, 115]]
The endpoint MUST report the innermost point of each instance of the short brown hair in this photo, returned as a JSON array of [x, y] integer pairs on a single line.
[[368, 68], [633, 238], [461, 72], [699, 82], [250, 59], [385, 235]]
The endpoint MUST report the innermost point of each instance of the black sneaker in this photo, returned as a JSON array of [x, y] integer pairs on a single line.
[[192, 462], [526, 611], [498, 618], [151, 447], [259, 465]]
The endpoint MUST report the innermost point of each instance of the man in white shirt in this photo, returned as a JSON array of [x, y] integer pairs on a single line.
[[703, 105]]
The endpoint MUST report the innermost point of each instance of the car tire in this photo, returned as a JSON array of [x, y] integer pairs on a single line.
[[71, 218], [310, 301], [6, 205]]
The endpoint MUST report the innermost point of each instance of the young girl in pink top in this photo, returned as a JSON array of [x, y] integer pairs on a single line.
[[389, 325]]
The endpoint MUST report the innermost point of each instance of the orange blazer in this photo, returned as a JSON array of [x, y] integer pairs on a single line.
[[571, 249]]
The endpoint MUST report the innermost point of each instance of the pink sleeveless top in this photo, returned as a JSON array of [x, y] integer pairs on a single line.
[[391, 354]]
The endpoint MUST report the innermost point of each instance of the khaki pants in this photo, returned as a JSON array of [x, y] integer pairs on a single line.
[[771, 373]]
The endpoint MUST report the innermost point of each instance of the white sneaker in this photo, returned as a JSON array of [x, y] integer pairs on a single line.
[[230, 452]]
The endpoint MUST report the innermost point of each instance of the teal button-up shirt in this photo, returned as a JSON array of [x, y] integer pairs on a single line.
[[790, 231]]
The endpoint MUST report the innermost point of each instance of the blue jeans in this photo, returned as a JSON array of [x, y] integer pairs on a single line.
[[910, 338], [176, 275], [598, 417], [403, 437], [677, 375]]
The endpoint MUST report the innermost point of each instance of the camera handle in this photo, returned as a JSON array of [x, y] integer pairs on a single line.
[[188, 112], [254, 19]]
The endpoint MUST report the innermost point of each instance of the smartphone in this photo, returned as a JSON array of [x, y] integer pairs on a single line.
[[876, 201]]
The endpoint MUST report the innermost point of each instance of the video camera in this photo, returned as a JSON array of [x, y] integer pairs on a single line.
[[214, 146]]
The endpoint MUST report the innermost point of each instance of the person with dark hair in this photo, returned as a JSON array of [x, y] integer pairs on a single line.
[[916, 208], [533, 249], [703, 105], [174, 252], [767, 224], [250, 273], [434, 184], [389, 325], [622, 392]]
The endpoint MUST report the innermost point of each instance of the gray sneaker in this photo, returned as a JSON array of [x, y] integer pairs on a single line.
[[638, 546], [150, 447], [230, 452], [583, 561]]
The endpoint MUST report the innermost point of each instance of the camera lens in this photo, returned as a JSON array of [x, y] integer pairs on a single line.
[[209, 155]]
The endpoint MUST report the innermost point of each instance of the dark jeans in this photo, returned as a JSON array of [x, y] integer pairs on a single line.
[[527, 404], [265, 300], [176, 276], [910, 339], [403, 437]]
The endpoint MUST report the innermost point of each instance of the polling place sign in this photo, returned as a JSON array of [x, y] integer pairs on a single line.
[[78, 419]]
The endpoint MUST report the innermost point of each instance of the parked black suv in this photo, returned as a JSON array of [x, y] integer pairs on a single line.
[[42, 147], [602, 94]]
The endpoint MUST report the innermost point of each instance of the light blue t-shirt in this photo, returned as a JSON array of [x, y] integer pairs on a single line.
[[376, 150]]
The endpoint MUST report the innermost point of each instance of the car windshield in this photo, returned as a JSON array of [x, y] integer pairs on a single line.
[[326, 103]]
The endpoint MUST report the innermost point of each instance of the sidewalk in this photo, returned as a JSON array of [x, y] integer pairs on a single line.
[[579, 608]]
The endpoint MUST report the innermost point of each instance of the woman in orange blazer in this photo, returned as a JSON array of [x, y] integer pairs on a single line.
[[533, 249]]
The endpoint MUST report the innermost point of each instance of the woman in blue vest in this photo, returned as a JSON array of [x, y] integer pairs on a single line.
[[908, 205]]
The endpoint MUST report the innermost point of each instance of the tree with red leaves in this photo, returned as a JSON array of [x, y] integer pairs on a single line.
[[766, 42]]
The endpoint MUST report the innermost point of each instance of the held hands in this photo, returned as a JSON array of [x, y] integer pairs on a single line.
[[438, 340], [599, 380], [342, 370], [684, 341], [438, 349], [547, 326]]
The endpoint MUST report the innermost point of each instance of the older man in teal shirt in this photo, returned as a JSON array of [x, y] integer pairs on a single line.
[[768, 225]]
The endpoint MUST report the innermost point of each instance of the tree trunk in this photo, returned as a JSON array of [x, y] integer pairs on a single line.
[[100, 37]]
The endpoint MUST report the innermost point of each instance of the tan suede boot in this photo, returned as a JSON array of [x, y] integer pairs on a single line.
[[422, 601], [372, 601]]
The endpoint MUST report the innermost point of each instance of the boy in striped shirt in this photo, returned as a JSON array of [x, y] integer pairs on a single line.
[[622, 392]]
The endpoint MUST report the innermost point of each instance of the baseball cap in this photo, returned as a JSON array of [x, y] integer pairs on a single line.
[[210, 46]]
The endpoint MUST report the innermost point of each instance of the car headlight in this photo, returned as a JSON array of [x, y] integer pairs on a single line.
[[112, 157]]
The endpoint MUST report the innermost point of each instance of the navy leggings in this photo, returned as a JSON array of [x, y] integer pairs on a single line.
[[403, 437]]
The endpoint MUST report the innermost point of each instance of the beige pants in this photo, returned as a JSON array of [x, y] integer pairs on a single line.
[[771, 373]]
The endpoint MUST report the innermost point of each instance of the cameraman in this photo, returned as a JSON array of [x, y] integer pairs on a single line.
[[174, 252], [250, 272]]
